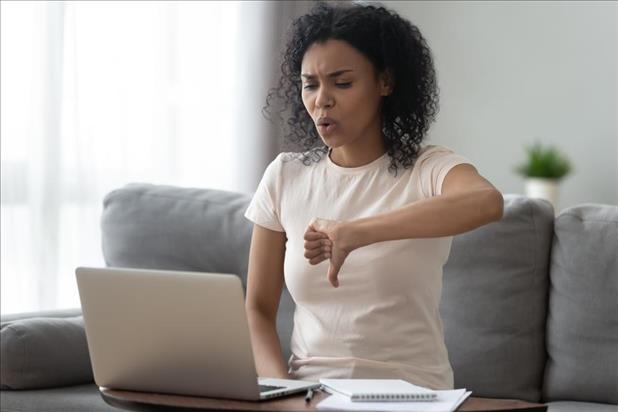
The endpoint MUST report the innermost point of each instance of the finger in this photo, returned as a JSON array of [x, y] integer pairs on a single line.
[[312, 244], [319, 259], [312, 253], [318, 224], [313, 226], [310, 228], [315, 235], [312, 222]]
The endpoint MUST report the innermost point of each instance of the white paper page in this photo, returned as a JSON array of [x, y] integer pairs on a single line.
[[447, 401], [462, 399], [365, 386]]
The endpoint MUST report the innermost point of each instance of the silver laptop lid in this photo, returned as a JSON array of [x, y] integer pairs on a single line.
[[166, 331]]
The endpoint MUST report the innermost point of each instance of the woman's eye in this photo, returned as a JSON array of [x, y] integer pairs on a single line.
[[312, 86]]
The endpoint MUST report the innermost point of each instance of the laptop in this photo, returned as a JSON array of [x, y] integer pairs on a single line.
[[183, 333]]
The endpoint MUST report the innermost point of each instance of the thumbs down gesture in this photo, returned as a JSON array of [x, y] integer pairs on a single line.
[[327, 239]]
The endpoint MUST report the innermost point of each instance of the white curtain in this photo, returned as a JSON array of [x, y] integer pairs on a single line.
[[99, 94]]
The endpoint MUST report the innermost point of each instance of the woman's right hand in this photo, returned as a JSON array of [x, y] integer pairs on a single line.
[[317, 246], [325, 239]]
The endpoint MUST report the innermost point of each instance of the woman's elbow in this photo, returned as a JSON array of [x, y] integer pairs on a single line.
[[496, 200]]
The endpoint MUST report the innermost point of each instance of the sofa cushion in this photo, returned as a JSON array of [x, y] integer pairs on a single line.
[[78, 398], [580, 407], [167, 227], [494, 302], [582, 324], [44, 352]]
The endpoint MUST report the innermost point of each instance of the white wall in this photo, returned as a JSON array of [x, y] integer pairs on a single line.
[[510, 72]]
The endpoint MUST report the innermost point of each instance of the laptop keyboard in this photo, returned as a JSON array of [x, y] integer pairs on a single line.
[[266, 388]]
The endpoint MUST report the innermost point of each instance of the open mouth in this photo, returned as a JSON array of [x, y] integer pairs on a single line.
[[327, 128]]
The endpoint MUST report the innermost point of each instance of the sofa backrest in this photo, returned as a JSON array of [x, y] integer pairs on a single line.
[[494, 302], [167, 227], [582, 323]]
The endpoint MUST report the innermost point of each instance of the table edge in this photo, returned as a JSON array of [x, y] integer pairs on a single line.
[[150, 407]]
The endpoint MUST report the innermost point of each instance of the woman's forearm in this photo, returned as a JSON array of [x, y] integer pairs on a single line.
[[434, 217], [266, 346]]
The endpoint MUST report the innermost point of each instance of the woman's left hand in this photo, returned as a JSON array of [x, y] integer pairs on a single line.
[[326, 239]]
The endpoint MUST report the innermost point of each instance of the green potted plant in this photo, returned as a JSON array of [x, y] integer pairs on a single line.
[[543, 169]]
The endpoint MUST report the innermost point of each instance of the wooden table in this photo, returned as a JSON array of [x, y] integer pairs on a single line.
[[141, 401]]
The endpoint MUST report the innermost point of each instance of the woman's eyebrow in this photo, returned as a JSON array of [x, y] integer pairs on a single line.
[[333, 74]]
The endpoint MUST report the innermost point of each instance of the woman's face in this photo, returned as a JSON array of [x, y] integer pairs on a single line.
[[340, 83]]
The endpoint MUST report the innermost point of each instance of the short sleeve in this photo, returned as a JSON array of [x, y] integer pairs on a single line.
[[434, 163], [264, 208]]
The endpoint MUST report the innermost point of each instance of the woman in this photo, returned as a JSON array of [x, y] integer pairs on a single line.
[[360, 222]]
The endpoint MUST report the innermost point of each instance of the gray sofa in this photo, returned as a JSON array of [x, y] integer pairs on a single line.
[[529, 303]]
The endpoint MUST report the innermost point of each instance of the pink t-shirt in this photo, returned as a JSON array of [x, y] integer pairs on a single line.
[[383, 320]]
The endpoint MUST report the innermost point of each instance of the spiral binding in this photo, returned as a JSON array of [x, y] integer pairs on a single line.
[[392, 397]]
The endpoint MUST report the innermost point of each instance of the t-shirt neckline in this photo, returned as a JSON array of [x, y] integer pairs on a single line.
[[353, 170]]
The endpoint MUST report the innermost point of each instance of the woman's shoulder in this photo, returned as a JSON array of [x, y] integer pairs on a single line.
[[431, 156], [289, 164], [298, 160], [431, 149]]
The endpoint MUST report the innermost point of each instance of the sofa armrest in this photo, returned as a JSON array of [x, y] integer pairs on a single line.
[[42, 351], [58, 313]]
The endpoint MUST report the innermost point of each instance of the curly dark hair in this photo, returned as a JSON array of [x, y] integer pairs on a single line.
[[389, 42]]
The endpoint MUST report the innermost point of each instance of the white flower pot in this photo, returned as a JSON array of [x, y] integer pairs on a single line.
[[543, 188]]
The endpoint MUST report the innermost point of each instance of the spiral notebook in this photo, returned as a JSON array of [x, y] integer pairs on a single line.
[[378, 390], [448, 401]]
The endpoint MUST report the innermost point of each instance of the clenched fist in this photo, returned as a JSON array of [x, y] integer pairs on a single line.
[[324, 239]]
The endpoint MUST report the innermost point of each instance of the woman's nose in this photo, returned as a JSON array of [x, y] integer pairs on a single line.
[[324, 99]]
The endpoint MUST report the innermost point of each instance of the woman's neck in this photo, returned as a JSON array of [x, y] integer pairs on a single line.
[[358, 153]]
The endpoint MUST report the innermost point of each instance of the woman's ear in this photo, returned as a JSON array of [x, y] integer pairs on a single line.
[[386, 82]]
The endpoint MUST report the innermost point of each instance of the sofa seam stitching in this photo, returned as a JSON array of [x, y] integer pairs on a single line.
[[535, 271], [581, 219], [183, 198]]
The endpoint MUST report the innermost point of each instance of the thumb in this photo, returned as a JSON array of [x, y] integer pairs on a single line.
[[333, 273]]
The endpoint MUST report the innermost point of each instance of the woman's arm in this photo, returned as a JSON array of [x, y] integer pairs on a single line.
[[264, 286], [467, 201]]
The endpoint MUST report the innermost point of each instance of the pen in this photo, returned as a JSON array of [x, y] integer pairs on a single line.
[[309, 395]]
